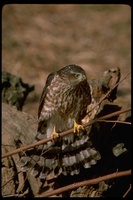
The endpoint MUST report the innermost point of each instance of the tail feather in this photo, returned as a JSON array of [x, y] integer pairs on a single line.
[[63, 156]]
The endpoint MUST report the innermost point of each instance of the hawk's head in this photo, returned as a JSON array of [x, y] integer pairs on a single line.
[[72, 74]]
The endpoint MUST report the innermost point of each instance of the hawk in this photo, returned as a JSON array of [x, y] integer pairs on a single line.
[[63, 105]]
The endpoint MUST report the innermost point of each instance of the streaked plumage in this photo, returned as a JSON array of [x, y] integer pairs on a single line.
[[64, 99]]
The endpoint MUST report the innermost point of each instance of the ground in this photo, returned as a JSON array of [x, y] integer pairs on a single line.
[[38, 39]]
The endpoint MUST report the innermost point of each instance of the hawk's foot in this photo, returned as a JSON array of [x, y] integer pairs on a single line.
[[77, 127], [54, 135]]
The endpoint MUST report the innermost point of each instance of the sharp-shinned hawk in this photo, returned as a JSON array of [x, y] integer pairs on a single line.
[[63, 105]]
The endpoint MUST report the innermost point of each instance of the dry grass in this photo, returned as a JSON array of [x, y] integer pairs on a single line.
[[37, 39]]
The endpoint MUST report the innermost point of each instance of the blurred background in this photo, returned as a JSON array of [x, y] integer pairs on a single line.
[[39, 39]]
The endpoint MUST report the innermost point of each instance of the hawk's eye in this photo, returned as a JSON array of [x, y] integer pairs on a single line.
[[77, 75]]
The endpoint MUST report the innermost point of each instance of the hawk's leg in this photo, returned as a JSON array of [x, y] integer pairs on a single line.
[[77, 127], [54, 135]]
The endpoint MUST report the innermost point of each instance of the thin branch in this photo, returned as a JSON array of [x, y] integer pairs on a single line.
[[98, 103], [64, 133], [115, 121], [88, 182], [127, 191]]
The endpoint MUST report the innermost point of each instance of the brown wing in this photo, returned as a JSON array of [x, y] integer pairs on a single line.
[[44, 92]]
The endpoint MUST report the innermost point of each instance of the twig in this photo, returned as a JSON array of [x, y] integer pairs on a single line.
[[88, 182], [98, 103], [127, 191], [64, 133], [115, 121]]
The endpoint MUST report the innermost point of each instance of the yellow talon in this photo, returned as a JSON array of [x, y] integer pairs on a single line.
[[54, 135], [77, 127]]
